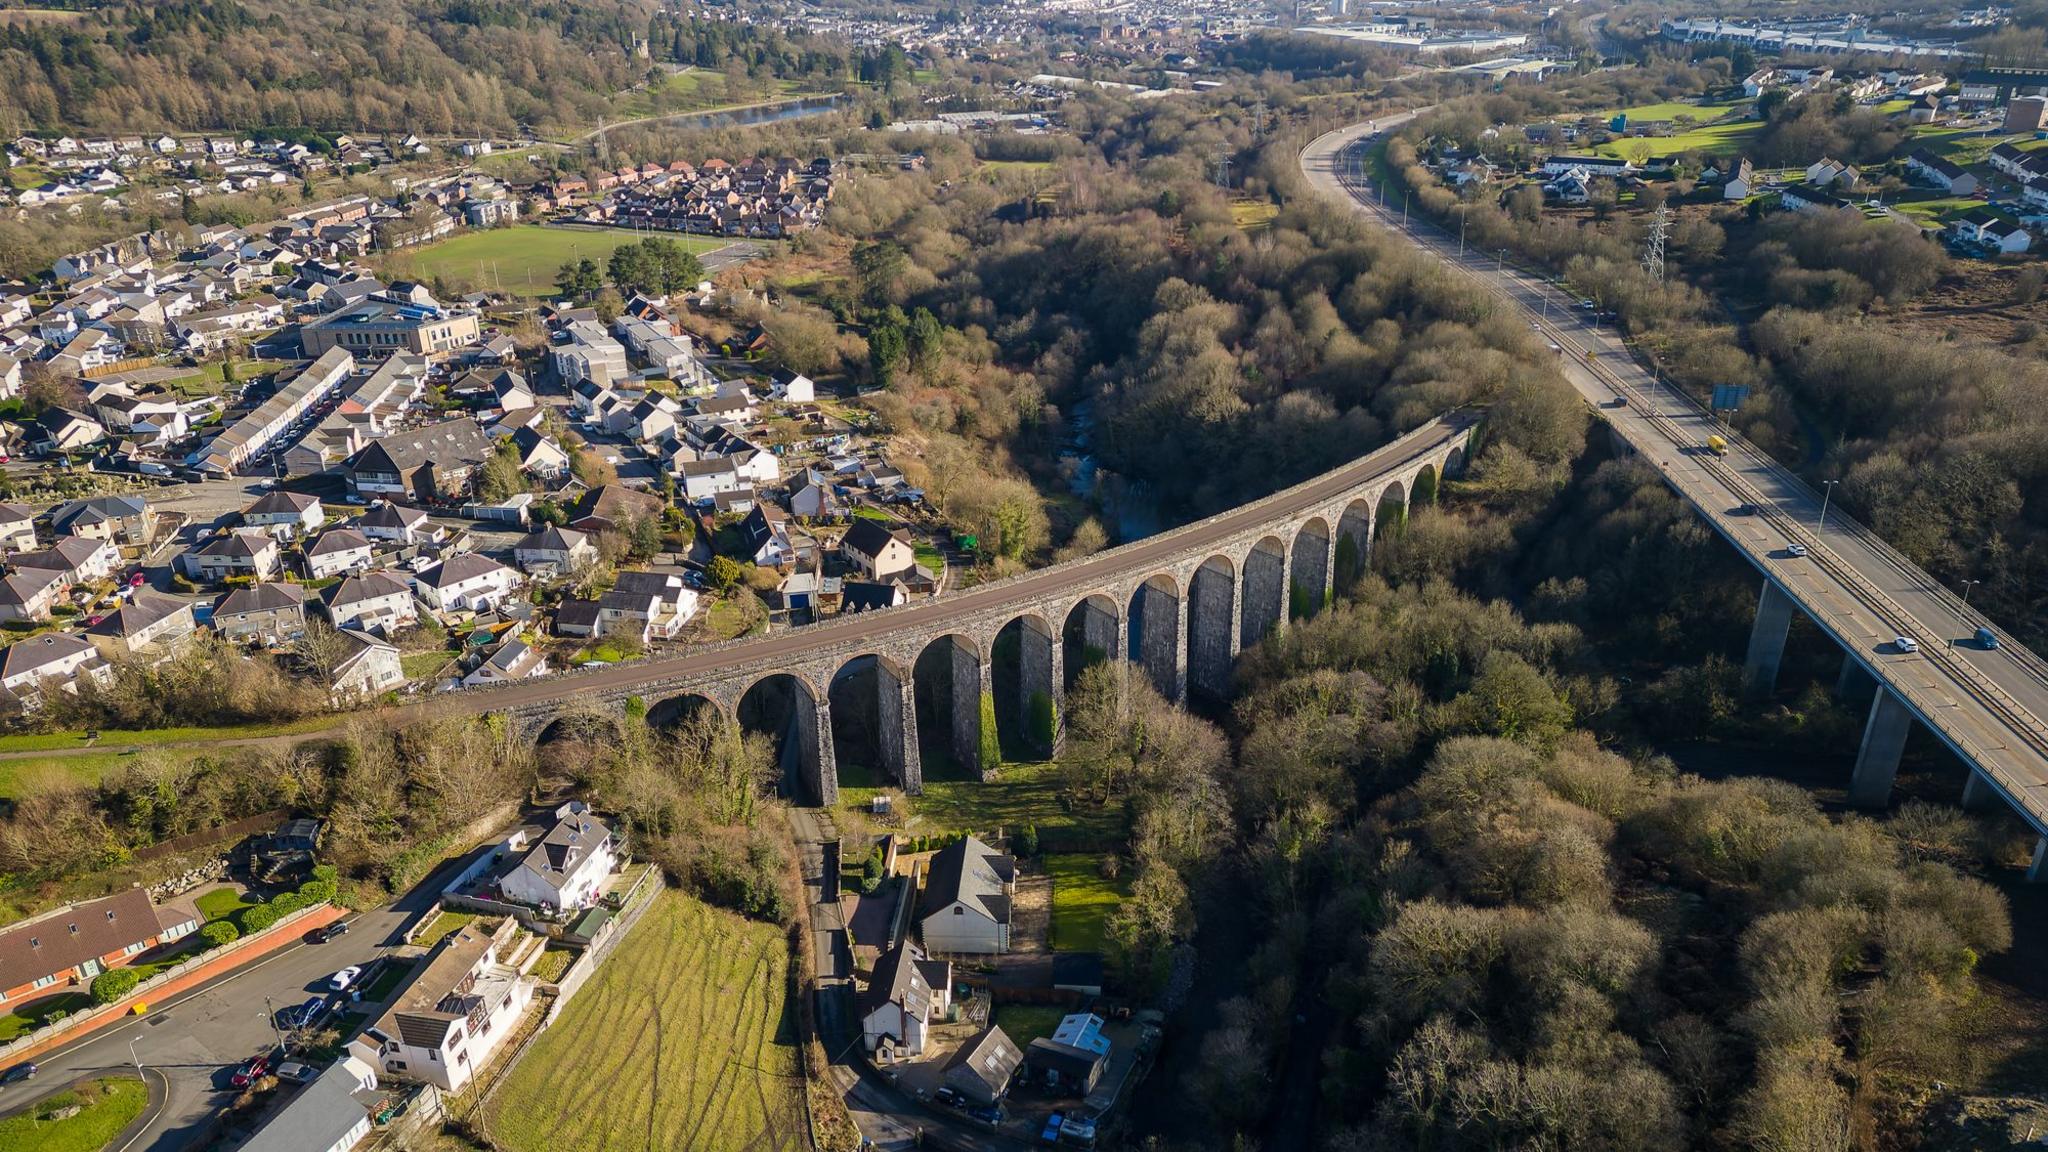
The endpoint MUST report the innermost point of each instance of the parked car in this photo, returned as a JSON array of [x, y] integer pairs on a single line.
[[295, 1072], [18, 1073], [251, 1072], [347, 976], [989, 1114], [1051, 1133]]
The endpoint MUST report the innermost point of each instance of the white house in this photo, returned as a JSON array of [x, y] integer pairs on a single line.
[[17, 528], [30, 594], [966, 902], [1740, 182], [53, 657], [1941, 172], [905, 993], [460, 1007], [705, 479], [285, 514], [509, 661], [332, 1114], [338, 551], [379, 602], [399, 524], [371, 667], [250, 553], [877, 551], [651, 605], [466, 582], [553, 550], [566, 866], [78, 559]]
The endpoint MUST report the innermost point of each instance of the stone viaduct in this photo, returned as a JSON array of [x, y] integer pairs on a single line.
[[1179, 606]]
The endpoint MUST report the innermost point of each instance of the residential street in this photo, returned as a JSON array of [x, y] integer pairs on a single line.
[[194, 1040]]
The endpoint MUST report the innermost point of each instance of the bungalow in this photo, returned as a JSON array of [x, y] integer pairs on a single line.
[[71, 945], [17, 528], [246, 552], [460, 1006], [508, 661], [1943, 173], [370, 667], [876, 551], [285, 515], [564, 867], [966, 903], [58, 657], [266, 613], [398, 524], [905, 993], [379, 602], [613, 506], [980, 1069], [338, 551], [466, 582], [553, 550], [865, 596], [148, 619], [77, 559]]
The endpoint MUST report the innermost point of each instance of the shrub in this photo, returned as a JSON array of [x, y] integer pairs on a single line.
[[1025, 841], [108, 987], [316, 891], [220, 934], [257, 918], [871, 872]]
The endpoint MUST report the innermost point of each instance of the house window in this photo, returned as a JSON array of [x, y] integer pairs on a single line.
[[395, 1065], [959, 911], [44, 982]]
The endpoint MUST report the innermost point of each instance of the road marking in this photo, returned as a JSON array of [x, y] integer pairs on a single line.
[[166, 1103]]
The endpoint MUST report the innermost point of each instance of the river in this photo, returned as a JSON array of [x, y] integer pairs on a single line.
[[1126, 505]]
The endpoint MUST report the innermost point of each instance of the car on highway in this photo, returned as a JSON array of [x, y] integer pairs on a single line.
[[326, 932], [1905, 644], [18, 1073], [1797, 550], [251, 1072], [1987, 639], [347, 976]]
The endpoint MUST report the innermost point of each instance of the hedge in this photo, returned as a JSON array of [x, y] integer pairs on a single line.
[[258, 917], [219, 934]]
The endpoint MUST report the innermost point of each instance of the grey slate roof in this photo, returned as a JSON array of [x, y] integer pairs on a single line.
[[972, 873]]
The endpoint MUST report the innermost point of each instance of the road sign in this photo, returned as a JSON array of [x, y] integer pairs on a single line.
[[1729, 397]]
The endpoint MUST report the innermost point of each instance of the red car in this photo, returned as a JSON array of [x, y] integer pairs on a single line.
[[251, 1072], [136, 580]]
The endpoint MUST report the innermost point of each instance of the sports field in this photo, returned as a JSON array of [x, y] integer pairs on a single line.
[[521, 260], [684, 1041]]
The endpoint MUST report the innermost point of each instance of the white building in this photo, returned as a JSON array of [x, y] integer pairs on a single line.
[[566, 866], [466, 582], [464, 1003]]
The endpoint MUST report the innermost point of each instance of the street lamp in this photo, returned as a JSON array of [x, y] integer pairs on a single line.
[[1967, 585], [270, 1014], [133, 1057], [1827, 491]]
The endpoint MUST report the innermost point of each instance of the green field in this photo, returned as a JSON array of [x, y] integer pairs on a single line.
[[1967, 145], [1672, 110], [685, 1039], [692, 91], [1020, 794], [1081, 901], [521, 260], [1711, 139], [223, 903], [106, 1107], [1023, 1023]]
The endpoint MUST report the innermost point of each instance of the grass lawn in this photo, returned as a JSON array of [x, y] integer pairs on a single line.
[[1023, 1023], [1081, 901], [1936, 210], [387, 981], [723, 620], [1026, 793], [30, 775], [222, 903], [929, 556], [106, 1105], [552, 963], [524, 258], [13, 1026], [119, 738], [445, 924], [684, 1040], [416, 665], [1712, 139], [1672, 110]]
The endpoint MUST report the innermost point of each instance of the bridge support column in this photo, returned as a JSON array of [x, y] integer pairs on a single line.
[[1212, 635], [1039, 680], [1884, 741], [1977, 792], [1162, 642], [814, 750], [1855, 684], [1308, 574], [1263, 594], [897, 717], [971, 688], [1767, 640], [2038, 870]]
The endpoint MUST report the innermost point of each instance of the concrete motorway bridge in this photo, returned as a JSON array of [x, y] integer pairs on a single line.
[[1178, 605], [1986, 704]]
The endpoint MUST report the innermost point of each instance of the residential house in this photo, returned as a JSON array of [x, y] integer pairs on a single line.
[[866, 596], [46, 954], [507, 661], [286, 515], [905, 993], [30, 594], [703, 480], [815, 499], [575, 617], [149, 421], [266, 613], [77, 559], [1741, 181], [980, 1070], [1609, 166], [53, 657], [564, 867], [248, 438], [432, 463], [459, 1007], [651, 605], [398, 524], [553, 550], [613, 506], [332, 1114], [877, 551], [371, 667], [466, 582], [337, 551], [539, 455], [119, 519], [966, 902], [246, 552], [1071, 1061], [378, 602], [145, 621], [17, 528], [61, 430], [1942, 172], [1831, 173], [766, 532]]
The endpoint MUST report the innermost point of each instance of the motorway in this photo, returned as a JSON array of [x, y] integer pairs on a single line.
[[187, 1045], [1987, 705]]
